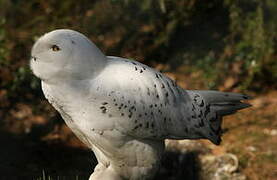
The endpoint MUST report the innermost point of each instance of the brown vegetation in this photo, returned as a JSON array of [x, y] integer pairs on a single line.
[[225, 45]]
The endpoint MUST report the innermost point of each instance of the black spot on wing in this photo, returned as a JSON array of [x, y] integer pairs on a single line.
[[202, 103], [147, 125], [207, 110], [201, 123]]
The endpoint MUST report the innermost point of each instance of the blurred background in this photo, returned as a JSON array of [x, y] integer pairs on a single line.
[[227, 45]]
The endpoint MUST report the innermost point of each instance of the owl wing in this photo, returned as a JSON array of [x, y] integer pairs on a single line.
[[144, 102], [147, 104]]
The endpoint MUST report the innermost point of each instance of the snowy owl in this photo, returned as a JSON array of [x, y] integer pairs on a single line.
[[121, 109]]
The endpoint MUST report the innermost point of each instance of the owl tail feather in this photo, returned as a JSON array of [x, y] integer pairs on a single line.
[[219, 104]]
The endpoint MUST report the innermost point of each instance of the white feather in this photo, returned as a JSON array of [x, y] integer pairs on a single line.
[[122, 109]]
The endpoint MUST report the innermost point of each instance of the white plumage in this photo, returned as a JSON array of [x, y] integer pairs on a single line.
[[122, 109]]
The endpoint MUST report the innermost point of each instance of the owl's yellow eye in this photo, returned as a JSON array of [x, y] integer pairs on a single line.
[[55, 48]]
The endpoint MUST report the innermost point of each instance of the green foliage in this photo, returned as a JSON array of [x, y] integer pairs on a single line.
[[23, 78], [3, 51], [207, 36], [253, 38]]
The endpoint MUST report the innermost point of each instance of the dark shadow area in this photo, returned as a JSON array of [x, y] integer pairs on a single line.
[[179, 166], [23, 158], [26, 157]]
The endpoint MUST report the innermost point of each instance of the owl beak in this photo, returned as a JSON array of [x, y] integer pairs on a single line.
[[34, 58]]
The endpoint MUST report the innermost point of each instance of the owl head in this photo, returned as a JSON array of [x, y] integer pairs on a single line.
[[64, 54]]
